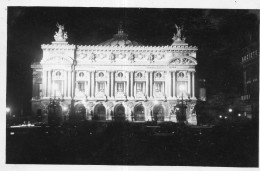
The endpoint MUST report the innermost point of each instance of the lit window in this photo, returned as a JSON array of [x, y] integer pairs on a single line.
[[139, 87], [101, 87], [81, 86], [120, 87], [81, 74], [101, 74], [158, 75], [158, 87], [139, 75], [120, 74]]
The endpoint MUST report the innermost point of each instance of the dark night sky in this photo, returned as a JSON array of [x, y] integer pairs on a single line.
[[219, 34]]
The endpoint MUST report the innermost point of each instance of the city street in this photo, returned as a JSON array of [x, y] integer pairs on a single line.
[[135, 144]]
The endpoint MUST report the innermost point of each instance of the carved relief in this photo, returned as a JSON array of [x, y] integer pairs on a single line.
[[112, 57], [183, 61], [151, 58], [92, 57], [131, 58]]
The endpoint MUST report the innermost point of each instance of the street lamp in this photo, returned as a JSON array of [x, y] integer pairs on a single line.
[[8, 110]]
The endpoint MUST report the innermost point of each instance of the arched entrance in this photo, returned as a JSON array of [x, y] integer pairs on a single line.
[[119, 114], [158, 113], [54, 113], [139, 113], [80, 112], [99, 112]]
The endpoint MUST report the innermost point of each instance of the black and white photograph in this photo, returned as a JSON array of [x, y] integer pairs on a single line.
[[132, 86]]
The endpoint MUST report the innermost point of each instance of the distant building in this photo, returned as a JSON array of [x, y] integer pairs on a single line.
[[118, 79], [250, 63]]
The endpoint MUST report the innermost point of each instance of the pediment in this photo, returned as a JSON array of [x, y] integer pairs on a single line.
[[183, 60], [57, 60]]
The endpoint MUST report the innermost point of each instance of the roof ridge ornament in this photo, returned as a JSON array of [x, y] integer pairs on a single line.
[[60, 36], [178, 37], [120, 32]]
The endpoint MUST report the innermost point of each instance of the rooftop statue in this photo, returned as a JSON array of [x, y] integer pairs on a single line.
[[60, 36], [178, 38]]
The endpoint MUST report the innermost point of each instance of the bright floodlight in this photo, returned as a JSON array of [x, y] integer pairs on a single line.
[[230, 110], [239, 114], [220, 116], [8, 110], [182, 87], [65, 108]]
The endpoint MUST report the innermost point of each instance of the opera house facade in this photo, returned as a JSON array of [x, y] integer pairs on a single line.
[[118, 79]]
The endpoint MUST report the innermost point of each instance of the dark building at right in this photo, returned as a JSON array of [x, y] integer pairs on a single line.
[[250, 94]]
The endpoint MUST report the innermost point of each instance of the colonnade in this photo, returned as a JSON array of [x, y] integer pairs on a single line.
[[68, 89]]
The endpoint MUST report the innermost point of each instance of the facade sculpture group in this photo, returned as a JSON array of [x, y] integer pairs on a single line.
[[116, 80]]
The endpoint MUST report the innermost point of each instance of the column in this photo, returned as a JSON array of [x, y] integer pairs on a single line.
[[44, 82], [69, 84], [151, 85], [112, 83], [174, 84], [49, 89], [193, 84], [62, 87], [89, 75], [93, 84], [73, 84], [132, 83], [106, 84], [127, 84], [147, 83], [189, 83], [167, 83], [65, 84]]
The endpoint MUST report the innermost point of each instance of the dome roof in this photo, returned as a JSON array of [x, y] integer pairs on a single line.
[[119, 39]]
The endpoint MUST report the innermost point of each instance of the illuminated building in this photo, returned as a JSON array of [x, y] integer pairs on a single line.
[[118, 79]]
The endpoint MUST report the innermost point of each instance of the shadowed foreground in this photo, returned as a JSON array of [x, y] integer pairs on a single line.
[[135, 144]]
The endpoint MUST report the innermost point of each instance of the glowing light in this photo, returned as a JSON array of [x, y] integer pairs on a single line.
[[239, 114], [8, 110], [11, 133], [220, 116], [230, 110], [64, 108], [225, 117]]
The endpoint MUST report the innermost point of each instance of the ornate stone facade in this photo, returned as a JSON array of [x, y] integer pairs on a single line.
[[118, 79]]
